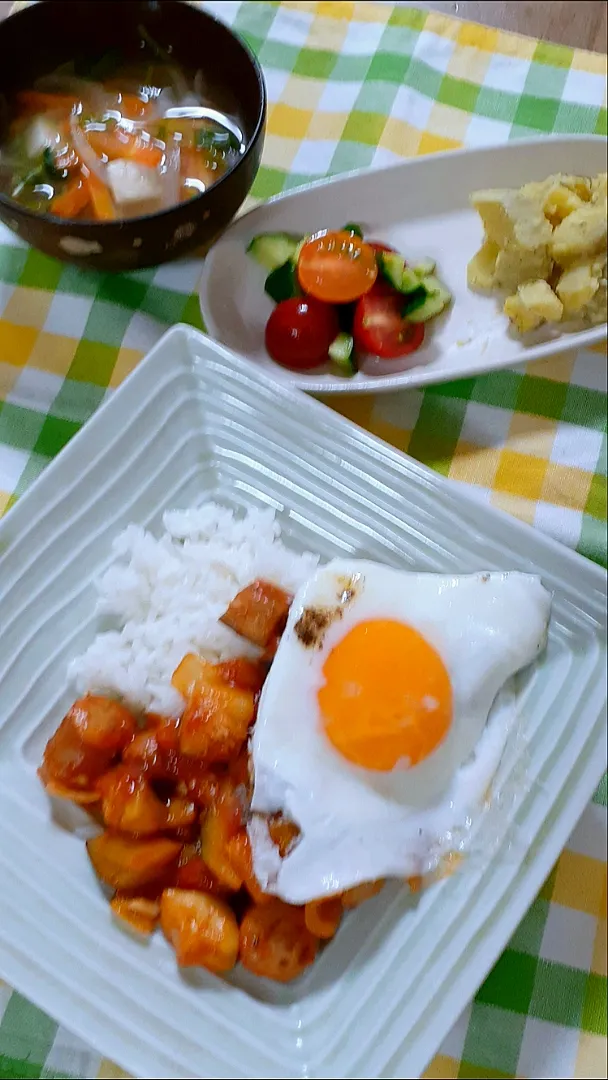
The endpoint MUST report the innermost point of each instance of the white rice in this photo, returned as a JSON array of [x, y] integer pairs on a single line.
[[166, 595]]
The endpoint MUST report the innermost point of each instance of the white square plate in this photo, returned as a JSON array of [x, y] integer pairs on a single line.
[[422, 208], [195, 422]]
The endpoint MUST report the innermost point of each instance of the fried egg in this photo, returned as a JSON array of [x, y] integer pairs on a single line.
[[379, 728]]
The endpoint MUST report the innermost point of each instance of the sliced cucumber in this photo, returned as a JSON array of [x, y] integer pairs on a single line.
[[299, 246], [434, 304], [410, 282], [392, 265], [271, 250], [353, 228], [397, 273], [341, 351], [424, 268], [433, 286], [414, 300], [282, 283]]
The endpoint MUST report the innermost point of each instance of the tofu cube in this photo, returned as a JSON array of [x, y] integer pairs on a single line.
[[136, 189]]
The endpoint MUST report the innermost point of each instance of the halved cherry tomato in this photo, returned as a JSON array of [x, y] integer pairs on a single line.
[[380, 328], [300, 331], [379, 245], [337, 267]]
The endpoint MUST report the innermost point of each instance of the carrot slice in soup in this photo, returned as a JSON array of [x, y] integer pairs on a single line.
[[36, 101], [71, 201], [100, 197]]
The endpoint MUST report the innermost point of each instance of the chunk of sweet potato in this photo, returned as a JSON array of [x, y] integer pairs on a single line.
[[242, 673], [139, 913], [58, 791], [89, 738], [202, 929], [197, 782], [148, 756], [194, 875], [215, 723], [103, 723], [180, 813], [222, 822], [323, 917], [126, 863], [128, 803], [192, 674], [275, 941], [240, 859], [258, 612]]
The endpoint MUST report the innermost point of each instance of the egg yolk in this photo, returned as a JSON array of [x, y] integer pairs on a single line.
[[387, 697]]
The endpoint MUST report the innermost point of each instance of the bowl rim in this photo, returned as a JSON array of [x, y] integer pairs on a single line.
[[87, 224]]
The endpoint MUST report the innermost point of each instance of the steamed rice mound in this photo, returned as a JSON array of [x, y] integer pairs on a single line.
[[165, 596]]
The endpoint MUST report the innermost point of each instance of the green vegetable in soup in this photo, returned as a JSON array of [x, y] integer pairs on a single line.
[[216, 138]]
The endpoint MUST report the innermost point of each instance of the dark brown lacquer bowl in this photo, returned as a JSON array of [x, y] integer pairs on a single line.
[[38, 39]]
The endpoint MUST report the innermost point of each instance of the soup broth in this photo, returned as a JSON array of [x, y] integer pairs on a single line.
[[117, 141]]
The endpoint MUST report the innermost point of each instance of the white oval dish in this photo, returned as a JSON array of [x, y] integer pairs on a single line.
[[422, 208]]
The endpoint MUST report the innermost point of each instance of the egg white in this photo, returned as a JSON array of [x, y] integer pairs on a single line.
[[356, 824]]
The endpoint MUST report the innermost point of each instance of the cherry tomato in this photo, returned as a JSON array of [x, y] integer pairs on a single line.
[[380, 328], [378, 245], [337, 267], [300, 331]]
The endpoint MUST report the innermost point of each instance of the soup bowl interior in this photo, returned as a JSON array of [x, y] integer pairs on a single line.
[[46, 36]]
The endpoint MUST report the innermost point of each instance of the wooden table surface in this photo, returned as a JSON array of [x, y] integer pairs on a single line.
[[580, 23]]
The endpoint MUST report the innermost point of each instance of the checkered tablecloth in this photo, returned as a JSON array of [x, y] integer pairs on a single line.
[[354, 85]]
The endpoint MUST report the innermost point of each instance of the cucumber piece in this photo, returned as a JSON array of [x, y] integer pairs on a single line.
[[341, 351], [410, 282], [434, 304], [433, 286], [299, 246], [414, 300], [282, 283], [273, 249], [392, 265], [353, 228], [425, 267]]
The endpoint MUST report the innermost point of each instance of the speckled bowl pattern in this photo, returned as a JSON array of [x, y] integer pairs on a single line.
[[37, 40]]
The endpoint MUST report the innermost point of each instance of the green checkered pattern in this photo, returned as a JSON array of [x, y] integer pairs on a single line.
[[361, 85]]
